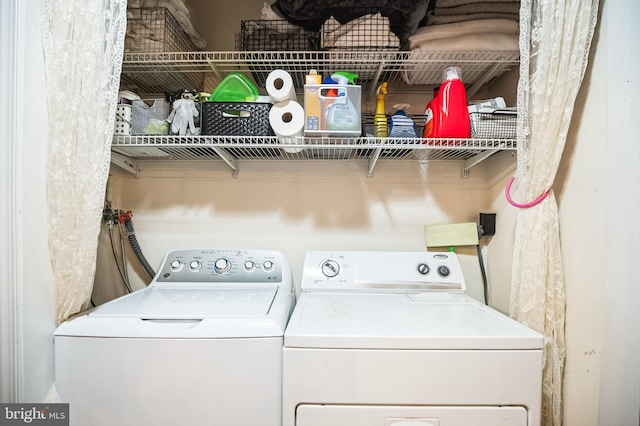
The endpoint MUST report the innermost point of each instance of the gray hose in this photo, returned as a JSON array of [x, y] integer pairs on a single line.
[[133, 242]]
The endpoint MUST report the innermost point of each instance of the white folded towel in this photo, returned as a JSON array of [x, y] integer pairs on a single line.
[[479, 26]]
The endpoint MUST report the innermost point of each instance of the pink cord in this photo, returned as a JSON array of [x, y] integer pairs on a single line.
[[535, 202]]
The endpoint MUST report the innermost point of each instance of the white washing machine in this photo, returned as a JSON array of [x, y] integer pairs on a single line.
[[391, 339], [202, 345]]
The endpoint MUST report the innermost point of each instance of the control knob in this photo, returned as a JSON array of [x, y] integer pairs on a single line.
[[423, 268], [222, 265], [194, 265], [267, 265], [330, 268], [443, 270]]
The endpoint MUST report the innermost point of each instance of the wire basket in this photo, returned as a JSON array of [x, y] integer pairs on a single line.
[[276, 35], [369, 32], [501, 124], [153, 30]]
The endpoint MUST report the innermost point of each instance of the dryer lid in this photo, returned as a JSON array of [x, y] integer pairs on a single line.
[[403, 321]]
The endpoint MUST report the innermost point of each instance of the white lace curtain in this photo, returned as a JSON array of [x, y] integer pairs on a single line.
[[83, 48], [554, 45]]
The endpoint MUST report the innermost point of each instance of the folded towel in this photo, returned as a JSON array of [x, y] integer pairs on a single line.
[[437, 20], [481, 7], [453, 3], [371, 31], [489, 42], [479, 26]]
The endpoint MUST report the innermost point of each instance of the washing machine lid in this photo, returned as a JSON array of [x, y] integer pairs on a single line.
[[187, 312], [435, 320], [190, 303]]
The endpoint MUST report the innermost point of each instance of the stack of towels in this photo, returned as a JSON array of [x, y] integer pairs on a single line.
[[451, 11], [469, 26]]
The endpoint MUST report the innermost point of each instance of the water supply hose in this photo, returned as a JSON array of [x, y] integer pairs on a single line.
[[133, 242]]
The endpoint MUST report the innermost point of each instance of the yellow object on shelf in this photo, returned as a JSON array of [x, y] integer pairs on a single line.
[[380, 118]]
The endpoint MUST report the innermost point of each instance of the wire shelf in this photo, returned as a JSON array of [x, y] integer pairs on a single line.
[[405, 72], [201, 148]]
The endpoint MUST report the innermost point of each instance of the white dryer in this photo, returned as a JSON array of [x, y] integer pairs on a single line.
[[391, 339], [201, 345]]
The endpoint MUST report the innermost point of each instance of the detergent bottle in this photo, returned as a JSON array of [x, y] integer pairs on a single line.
[[380, 118], [428, 114], [450, 113]]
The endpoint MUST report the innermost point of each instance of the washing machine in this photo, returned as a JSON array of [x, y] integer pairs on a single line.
[[391, 339], [201, 345]]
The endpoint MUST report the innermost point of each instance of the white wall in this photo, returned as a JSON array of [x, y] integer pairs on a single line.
[[28, 312], [599, 205]]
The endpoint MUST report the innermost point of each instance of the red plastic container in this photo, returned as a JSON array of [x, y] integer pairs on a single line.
[[449, 108]]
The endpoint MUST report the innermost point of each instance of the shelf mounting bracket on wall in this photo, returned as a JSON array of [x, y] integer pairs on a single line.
[[125, 163]]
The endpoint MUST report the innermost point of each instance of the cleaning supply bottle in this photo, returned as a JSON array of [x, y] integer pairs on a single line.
[[342, 114], [450, 113], [401, 125], [380, 118], [428, 113]]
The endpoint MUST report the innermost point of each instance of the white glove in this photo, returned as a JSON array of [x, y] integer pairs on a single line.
[[181, 117]]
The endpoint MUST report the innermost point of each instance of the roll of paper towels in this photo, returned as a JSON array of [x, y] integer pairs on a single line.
[[280, 86], [287, 121]]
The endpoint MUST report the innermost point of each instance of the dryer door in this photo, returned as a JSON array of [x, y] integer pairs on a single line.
[[363, 415]]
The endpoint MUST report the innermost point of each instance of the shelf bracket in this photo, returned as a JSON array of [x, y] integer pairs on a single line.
[[472, 161], [231, 162], [372, 161], [483, 79], [125, 163]]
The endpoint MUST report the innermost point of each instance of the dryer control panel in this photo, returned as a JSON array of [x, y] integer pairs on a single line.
[[382, 271], [224, 266]]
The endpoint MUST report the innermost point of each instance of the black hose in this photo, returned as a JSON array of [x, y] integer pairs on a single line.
[[133, 242]]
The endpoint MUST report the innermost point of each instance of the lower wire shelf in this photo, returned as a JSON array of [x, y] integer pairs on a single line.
[[127, 151]]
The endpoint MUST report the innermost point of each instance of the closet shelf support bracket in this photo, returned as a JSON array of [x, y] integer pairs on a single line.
[[125, 163]]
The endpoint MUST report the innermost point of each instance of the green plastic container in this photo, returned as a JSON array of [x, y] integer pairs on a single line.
[[235, 87]]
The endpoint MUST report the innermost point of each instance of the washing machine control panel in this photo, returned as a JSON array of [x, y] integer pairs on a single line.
[[380, 271], [224, 266]]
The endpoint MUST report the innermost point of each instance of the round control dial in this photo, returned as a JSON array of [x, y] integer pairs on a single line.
[[194, 265], [222, 265], [176, 265], [249, 265], [423, 268], [444, 270], [330, 268], [267, 265]]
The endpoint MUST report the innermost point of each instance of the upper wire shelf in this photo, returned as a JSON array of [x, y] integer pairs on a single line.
[[405, 72]]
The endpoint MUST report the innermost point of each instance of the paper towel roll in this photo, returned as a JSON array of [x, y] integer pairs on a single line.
[[287, 121], [280, 86]]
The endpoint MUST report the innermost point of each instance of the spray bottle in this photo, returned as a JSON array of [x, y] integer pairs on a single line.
[[342, 114], [380, 119]]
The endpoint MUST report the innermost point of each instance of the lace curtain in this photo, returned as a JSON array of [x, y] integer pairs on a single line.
[[83, 47], [554, 44]]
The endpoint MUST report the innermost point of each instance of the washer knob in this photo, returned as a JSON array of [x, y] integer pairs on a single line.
[[443, 270], [176, 265], [267, 265], [222, 265], [194, 265], [249, 265], [423, 268], [330, 268]]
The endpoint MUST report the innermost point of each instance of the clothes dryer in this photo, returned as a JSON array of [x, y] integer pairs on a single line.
[[391, 339], [201, 345]]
